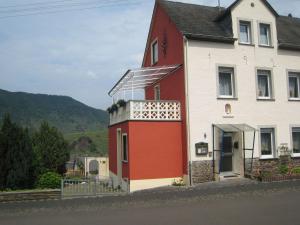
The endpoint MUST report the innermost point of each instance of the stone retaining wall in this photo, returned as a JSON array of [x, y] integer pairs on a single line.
[[270, 167], [202, 171], [29, 196], [263, 169]]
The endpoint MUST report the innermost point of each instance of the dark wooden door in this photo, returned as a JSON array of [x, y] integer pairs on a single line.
[[227, 153]]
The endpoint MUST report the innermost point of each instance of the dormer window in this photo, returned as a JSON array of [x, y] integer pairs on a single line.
[[265, 34], [154, 52], [245, 36]]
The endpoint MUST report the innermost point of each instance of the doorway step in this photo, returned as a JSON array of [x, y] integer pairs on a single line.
[[229, 176]]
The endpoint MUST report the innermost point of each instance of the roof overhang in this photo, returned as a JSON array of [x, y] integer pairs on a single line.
[[229, 40], [288, 46], [141, 78], [235, 127]]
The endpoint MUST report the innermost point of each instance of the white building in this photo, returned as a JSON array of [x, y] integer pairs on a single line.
[[238, 82]]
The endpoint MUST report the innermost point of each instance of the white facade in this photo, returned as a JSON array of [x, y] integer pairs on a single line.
[[205, 108]]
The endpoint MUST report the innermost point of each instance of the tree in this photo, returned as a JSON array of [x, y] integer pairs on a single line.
[[51, 150], [16, 155]]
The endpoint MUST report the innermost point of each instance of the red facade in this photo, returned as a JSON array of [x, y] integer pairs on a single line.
[[154, 150], [157, 149], [172, 87]]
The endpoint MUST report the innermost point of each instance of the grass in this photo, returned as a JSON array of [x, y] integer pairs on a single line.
[[99, 138]]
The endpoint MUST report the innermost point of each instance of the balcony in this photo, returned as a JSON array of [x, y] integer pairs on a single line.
[[147, 111]]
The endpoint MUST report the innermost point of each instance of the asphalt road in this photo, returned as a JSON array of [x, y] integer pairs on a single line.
[[231, 203]]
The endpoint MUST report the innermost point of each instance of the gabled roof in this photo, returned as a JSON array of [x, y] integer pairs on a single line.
[[235, 3], [288, 32], [197, 21], [214, 23]]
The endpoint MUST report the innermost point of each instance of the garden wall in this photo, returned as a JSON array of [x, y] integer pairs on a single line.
[[283, 168]]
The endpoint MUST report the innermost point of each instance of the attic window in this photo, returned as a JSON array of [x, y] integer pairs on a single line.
[[265, 34], [154, 52], [245, 35]]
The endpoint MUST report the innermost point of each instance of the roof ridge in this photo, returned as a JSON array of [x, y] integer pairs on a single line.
[[185, 3], [289, 17]]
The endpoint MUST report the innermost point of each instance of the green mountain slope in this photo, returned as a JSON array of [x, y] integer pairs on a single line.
[[65, 113]]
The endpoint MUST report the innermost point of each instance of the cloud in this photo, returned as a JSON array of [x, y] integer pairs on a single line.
[[80, 53], [92, 75]]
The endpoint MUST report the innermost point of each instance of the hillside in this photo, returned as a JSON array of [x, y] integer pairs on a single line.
[[97, 143], [65, 113]]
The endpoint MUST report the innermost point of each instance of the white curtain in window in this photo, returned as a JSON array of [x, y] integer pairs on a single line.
[[264, 34], [296, 140], [263, 86], [266, 144], [225, 84], [244, 33], [293, 86]]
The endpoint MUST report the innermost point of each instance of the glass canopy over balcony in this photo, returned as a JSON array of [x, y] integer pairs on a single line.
[[139, 79], [143, 110]]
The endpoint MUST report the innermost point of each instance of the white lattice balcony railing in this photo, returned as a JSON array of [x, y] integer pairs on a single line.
[[147, 110]]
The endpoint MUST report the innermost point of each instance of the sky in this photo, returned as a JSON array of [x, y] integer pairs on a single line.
[[79, 53]]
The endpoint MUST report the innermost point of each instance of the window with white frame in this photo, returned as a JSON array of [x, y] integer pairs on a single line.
[[296, 140], [265, 34], [157, 92], [245, 32], [124, 147], [226, 84], [294, 85], [264, 84], [267, 142], [154, 52]]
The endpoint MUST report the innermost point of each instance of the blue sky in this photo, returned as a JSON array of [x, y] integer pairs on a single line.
[[80, 53]]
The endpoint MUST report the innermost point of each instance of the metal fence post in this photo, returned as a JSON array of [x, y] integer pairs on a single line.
[[61, 188]]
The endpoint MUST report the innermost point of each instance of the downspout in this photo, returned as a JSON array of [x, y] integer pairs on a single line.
[[189, 163]]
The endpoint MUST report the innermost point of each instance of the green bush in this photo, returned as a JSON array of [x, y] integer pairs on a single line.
[[283, 169], [49, 180], [296, 170], [265, 174]]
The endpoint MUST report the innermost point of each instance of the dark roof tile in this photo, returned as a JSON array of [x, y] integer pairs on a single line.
[[196, 20], [200, 22]]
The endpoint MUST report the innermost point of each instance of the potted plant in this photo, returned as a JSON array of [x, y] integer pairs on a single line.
[[109, 110], [121, 103], [114, 108]]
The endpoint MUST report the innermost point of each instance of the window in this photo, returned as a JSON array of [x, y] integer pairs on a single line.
[[264, 84], [265, 34], [296, 140], [154, 52], [267, 142], [294, 85], [245, 32], [226, 82], [157, 92], [124, 148]]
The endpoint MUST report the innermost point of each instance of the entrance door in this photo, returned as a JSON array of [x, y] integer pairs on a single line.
[[227, 153]]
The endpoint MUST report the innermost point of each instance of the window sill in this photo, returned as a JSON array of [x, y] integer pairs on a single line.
[[294, 99], [266, 46], [266, 158], [247, 44], [295, 156], [124, 161], [266, 99], [227, 98]]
